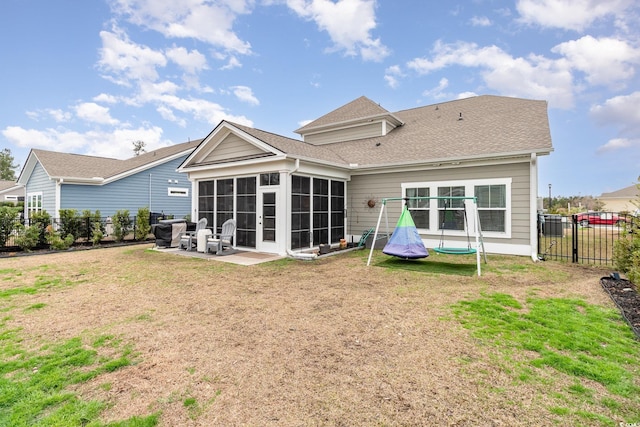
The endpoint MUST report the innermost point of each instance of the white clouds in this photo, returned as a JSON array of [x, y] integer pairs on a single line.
[[245, 94], [437, 91], [605, 61], [623, 113], [94, 113], [56, 114], [480, 21], [105, 98], [127, 60], [192, 62], [619, 109], [464, 95], [59, 116], [116, 144], [570, 14], [202, 110], [204, 20], [30, 138], [531, 77], [348, 23], [231, 64], [392, 75], [616, 144], [138, 66]]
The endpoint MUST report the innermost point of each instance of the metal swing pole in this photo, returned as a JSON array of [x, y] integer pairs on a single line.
[[477, 226], [375, 234]]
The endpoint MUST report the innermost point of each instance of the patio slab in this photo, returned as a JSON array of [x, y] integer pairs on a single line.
[[238, 257]]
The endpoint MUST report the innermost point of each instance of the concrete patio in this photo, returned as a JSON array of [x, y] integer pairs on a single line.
[[237, 257]]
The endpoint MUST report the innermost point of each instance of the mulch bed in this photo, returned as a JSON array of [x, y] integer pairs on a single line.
[[625, 295]]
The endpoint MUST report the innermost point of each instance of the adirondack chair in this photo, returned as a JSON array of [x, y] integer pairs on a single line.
[[218, 241], [189, 240]]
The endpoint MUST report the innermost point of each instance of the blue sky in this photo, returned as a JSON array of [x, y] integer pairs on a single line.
[[91, 77]]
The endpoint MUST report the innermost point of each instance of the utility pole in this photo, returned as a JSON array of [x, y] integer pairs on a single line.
[[549, 198]]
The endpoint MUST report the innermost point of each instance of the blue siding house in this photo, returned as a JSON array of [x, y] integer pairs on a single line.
[[55, 181]]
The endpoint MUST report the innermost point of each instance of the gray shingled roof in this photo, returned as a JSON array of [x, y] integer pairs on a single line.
[[86, 167], [359, 108], [5, 185], [292, 146], [627, 192], [484, 126]]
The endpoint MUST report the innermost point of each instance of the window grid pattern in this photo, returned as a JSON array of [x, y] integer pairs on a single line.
[[492, 206], [337, 210], [246, 212], [451, 211], [300, 212], [419, 208]]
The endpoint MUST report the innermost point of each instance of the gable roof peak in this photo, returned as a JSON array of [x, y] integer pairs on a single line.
[[358, 109], [82, 166]]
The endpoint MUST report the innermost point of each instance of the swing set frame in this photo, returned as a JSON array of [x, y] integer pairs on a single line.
[[479, 243]]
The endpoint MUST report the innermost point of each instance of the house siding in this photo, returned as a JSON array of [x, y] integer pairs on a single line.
[[348, 134], [232, 147], [10, 195], [148, 188], [361, 188], [39, 182]]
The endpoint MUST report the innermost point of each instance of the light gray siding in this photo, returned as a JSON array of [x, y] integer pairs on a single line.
[[39, 182], [233, 147], [348, 134], [361, 188], [148, 188]]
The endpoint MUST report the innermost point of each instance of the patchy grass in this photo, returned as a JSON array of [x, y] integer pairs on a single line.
[[330, 342], [36, 384], [581, 340]]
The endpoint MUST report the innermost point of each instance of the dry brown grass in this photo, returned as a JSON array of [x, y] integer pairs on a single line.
[[292, 343]]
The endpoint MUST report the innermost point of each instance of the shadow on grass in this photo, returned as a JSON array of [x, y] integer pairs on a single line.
[[428, 265]]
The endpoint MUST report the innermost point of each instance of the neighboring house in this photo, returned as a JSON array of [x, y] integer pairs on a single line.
[[621, 200], [292, 195], [55, 181], [11, 191]]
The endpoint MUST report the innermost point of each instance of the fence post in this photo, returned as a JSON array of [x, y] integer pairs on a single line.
[[539, 226], [574, 238]]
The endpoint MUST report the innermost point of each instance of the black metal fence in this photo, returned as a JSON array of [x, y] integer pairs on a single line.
[[583, 238], [83, 228]]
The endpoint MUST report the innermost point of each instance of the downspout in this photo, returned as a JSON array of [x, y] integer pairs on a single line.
[[533, 210], [296, 255], [58, 196], [194, 199], [150, 210]]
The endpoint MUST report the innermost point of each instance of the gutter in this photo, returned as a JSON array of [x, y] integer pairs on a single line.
[[74, 180]]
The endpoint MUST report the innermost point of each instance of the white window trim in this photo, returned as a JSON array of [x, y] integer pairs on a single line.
[[469, 187], [177, 192], [28, 209]]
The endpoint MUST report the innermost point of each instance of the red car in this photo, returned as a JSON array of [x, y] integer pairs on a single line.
[[600, 218]]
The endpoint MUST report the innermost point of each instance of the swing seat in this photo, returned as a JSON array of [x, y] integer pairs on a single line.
[[405, 242], [455, 251]]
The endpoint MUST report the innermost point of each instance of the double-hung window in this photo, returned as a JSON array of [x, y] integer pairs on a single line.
[[492, 206], [451, 205], [418, 206], [451, 210]]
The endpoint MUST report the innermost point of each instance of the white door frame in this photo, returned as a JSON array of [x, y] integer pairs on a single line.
[[275, 245]]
